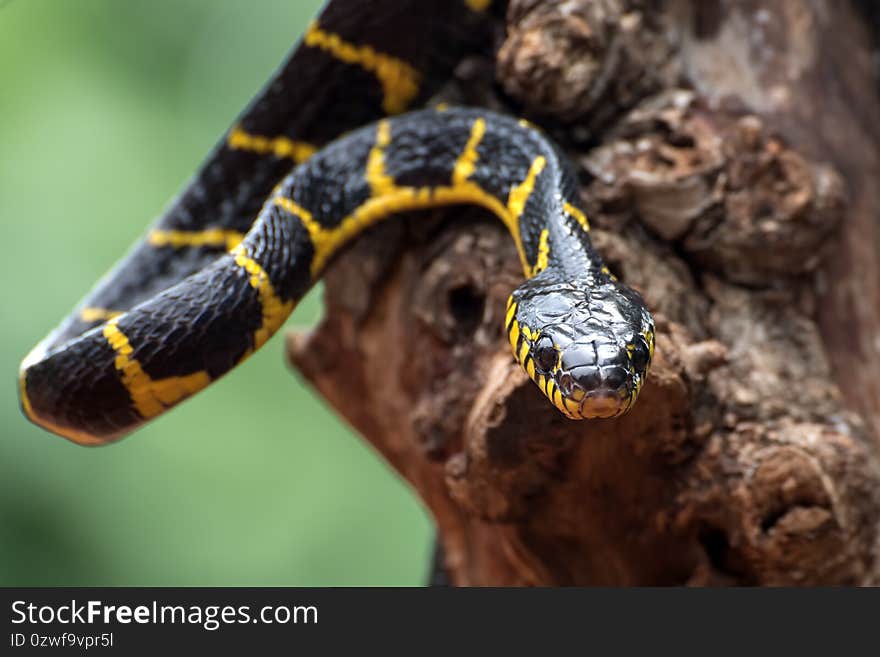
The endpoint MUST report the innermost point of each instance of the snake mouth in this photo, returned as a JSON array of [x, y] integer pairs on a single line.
[[599, 402], [603, 404]]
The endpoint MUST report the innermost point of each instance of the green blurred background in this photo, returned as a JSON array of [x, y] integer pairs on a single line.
[[107, 108]]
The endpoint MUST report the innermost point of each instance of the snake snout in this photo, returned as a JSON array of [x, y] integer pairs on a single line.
[[596, 376]]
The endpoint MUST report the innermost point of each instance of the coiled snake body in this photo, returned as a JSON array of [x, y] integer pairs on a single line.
[[225, 265]]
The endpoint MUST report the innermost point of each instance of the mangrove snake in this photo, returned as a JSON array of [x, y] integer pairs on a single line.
[[223, 267]]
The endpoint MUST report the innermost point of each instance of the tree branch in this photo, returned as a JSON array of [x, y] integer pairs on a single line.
[[742, 206]]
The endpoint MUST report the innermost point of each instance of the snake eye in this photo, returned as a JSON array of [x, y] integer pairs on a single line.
[[640, 355], [546, 355]]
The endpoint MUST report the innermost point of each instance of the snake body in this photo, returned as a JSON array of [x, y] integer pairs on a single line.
[[222, 269]]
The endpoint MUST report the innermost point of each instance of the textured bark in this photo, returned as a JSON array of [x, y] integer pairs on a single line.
[[729, 159]]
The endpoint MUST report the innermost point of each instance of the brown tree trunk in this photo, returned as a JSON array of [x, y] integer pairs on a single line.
[[729, 159]]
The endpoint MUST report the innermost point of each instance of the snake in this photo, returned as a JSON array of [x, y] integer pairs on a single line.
[[341, 138]]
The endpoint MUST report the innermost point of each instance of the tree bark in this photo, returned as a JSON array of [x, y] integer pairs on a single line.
[[728, 152]]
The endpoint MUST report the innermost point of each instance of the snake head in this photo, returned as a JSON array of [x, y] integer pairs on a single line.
[[587, 346]]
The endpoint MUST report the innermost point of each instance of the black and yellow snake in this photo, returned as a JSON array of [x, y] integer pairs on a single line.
[[282, 194]]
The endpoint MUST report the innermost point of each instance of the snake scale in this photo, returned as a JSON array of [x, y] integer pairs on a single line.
[[328, 149]]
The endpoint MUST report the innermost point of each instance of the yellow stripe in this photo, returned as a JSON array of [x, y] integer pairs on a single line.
[[280, 147], [150, 397], [523, 351], [389, 199], [557, 399], [466, 163], [275, 311], [529, 333], [327, 241], [543, 252], [91, 314], [293, 208], [380, 182], [516, 204], [315, 229], [399, 80], [511, 311], [514, 334], [519, 194], [178, 239], [579, 216]]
